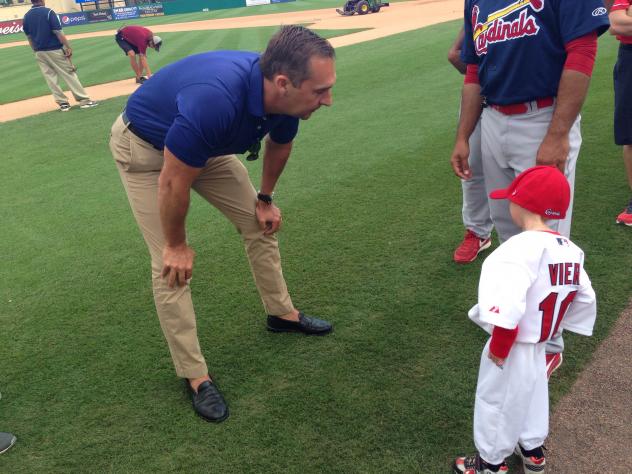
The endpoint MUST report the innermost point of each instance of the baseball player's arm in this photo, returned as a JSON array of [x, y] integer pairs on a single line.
[[571, 94], [501, 343], [471, 106], [174, 189], [620, 23], [274, 159], [454, 54], [63, 40]]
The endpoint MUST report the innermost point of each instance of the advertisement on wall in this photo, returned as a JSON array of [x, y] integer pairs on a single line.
[[252, 3], [10, 27], [125, 13], [95, 16], [151, 9], [71, 19]]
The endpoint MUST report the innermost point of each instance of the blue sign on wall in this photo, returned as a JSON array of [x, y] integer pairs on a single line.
[[125, 13]]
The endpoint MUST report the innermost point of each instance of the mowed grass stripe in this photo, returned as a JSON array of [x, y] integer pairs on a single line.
[[100, 60], [298, 5], [372, 214]]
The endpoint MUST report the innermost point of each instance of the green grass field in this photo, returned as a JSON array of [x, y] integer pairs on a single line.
[[297, 5], [372, 215], [22, 78]]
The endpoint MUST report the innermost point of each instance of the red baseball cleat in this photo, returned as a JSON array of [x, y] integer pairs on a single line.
[[626, 216], [475, 465], [532, 464], [471, 246]]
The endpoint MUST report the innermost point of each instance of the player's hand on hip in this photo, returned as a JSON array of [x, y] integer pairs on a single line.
[[269, 217], [496, 360], [459, 160], [553, 151], [177, 264]]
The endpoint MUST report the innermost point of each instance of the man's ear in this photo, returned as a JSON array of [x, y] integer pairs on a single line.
[[282, 83]]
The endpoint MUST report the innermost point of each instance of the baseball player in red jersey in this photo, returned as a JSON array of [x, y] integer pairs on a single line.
[[134, 41], [621, 26], [531, 287]]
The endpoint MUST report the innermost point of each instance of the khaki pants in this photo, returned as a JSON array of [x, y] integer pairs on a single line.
[[225, 184], [54, 65]]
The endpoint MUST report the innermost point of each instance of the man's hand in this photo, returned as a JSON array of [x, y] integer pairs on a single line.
[[459, 159], [553, 151], [496, 360], [269, 217], [177, 264], [68, 51]]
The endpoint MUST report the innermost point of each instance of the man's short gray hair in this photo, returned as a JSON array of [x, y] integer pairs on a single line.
[[289, 51]]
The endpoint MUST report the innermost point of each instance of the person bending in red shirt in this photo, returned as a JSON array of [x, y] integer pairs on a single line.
[[134, 41]]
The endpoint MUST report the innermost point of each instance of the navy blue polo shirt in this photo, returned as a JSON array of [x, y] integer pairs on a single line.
[[207, 105], [520, 46], [39, 23]]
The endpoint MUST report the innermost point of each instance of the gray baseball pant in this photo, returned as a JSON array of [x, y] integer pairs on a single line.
[[509, 145], [476, 214]]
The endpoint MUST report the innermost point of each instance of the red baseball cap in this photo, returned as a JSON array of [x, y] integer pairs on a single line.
[[543, 190]]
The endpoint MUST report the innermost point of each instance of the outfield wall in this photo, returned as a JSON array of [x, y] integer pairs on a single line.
[[190, 6], [13, 24], [17, 10]]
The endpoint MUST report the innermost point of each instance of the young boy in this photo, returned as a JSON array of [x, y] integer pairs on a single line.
[[532, 287]]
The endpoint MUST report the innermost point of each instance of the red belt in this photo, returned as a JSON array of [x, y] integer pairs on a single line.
[[523, 107]]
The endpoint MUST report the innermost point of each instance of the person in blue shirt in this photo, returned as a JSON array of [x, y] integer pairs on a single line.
[[180, 131], [53, 52]]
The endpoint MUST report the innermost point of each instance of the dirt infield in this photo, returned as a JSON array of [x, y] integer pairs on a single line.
[[397, 18], [591, 427]]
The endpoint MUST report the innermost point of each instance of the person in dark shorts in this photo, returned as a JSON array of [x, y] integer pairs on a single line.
[[134, 41], [621, 26]]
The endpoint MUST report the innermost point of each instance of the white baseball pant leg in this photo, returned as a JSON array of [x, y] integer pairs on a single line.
[[512, 403], [476, 215]]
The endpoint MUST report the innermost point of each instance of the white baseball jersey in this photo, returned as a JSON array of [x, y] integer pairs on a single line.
[[536, 281]]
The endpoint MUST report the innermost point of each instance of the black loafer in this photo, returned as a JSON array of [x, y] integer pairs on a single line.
[[305, 324], [208, 402]]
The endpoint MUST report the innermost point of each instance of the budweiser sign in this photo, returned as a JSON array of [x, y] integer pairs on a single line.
[[10, 27]]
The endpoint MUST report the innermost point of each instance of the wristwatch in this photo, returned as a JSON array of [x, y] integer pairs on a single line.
[[267, 198]]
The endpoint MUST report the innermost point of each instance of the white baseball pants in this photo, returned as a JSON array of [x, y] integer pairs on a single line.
[[512, 403]]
